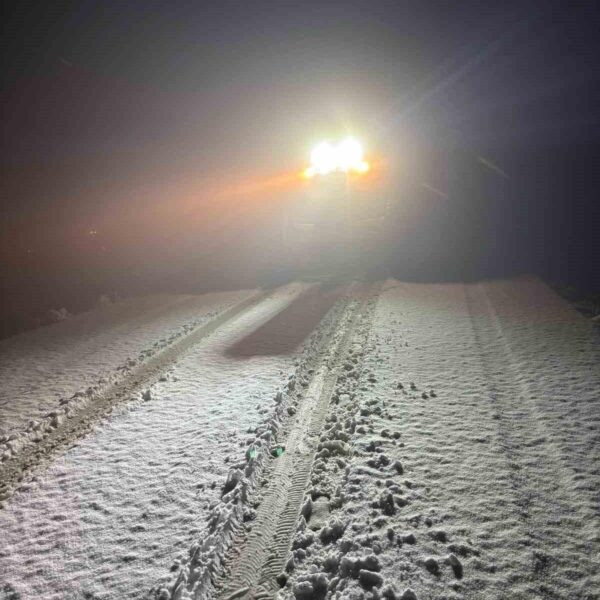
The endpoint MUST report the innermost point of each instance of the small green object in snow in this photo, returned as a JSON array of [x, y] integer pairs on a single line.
[[252, 453], [277, 451]]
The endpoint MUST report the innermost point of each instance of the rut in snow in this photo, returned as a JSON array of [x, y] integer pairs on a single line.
[[265, 551], [542, 465]]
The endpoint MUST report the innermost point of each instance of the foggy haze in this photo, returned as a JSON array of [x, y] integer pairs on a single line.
[[152, 146]]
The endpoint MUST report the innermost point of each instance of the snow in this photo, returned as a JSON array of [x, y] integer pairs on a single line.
[[110, 517], [39, 367], [474, 463], [458, 460]]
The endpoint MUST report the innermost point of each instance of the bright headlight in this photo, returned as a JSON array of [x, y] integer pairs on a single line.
[[346, 156], [324, 158], [349, 154]]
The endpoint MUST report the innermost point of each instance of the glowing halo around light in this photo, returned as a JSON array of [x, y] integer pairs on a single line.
[[345, 157]]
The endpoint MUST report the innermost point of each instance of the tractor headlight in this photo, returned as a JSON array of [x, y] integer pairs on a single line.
[[347, 156]]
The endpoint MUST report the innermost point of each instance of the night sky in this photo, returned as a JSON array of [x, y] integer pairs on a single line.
[[148, 145]]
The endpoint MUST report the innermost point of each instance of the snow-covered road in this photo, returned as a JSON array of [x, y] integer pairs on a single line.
[[458, 455]]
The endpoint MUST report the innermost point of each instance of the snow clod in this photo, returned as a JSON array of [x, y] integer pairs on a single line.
[[349, 566], [332, 531], [233, 478], [386, 503], [303, 590], [456, 566], [307, 508], [439, 536], [331, 562], [432, 565], [335, 447], [290, 565], [370, 562], [303, 541], [370, 579]]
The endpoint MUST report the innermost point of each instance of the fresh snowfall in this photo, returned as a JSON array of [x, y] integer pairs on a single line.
[[364, 440]]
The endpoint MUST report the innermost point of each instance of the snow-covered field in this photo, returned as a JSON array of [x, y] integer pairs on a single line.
[[458, 454]]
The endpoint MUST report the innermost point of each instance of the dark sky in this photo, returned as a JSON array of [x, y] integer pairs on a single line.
[[135, 120]]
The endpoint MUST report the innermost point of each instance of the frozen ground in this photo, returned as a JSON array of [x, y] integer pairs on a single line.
[[450, 436]]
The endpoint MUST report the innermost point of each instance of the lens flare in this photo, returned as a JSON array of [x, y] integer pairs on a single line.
[[362, 167]]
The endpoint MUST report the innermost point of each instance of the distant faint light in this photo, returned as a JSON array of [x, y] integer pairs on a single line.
[[347, 156], [92, 232]]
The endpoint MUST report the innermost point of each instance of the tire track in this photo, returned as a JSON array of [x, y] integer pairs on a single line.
[[79, 423], [570, 417], [550, 513], [264, 552]]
